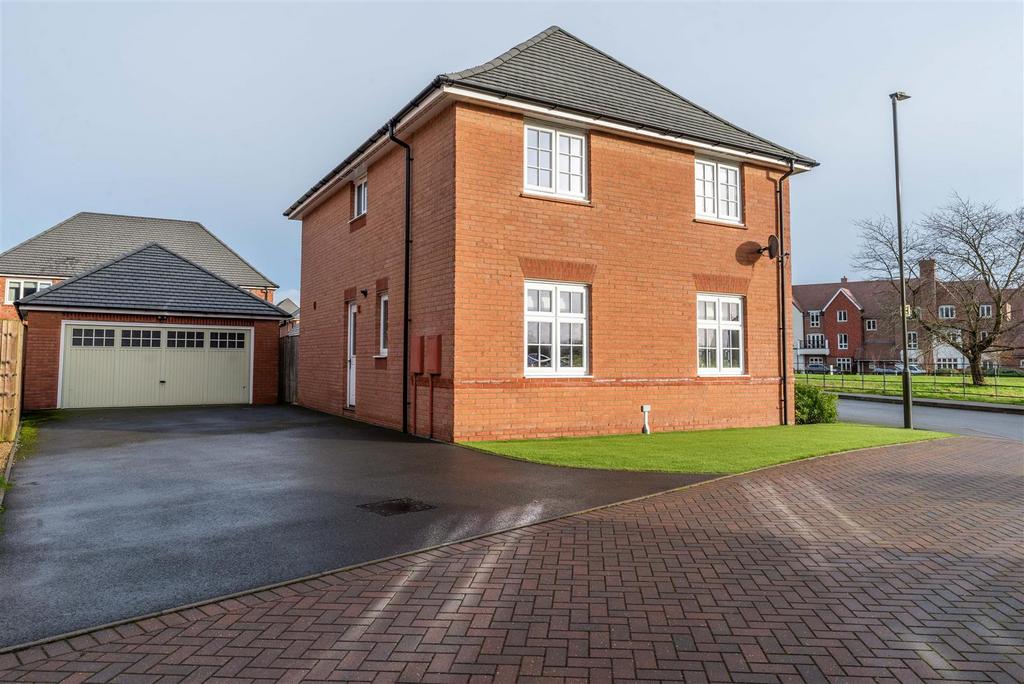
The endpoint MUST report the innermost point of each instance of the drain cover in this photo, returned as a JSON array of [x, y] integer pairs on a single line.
[[396, 506]]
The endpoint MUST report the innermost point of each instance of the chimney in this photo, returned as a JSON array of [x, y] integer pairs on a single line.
[[926, 269], [844, 279]]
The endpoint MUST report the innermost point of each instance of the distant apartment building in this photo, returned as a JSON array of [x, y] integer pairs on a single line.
[[854, 325]]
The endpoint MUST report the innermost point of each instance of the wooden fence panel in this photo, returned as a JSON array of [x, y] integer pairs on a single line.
[[12, 345], [288, 376]]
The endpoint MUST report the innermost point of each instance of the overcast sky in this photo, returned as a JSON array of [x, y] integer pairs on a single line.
[[225, 113]]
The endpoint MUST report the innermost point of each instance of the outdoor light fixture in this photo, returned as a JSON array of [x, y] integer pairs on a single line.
[[646, 410], [908, 421]]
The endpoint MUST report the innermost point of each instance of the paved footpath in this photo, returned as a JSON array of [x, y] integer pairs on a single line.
[[899, 563]]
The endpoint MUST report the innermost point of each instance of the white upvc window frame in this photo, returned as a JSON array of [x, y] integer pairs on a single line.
[[871, 324], [843, 341], [844, 364], [947, 312], [984, 311], [724, 193], [360, 197], [384, 314], [814, 319], [555, 318], [815, 341], [912, 342], [842, 316], [560, 163], [41, 284], [718, 325]]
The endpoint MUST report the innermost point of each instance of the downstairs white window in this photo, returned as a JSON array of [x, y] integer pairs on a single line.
[[555, 336], [719, 335]]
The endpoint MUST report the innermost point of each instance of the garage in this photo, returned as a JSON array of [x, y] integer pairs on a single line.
[[139, 364], [150, 328]]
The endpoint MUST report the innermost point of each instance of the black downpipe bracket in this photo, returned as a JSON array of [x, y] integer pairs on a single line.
[[408, 264], [783, 351]]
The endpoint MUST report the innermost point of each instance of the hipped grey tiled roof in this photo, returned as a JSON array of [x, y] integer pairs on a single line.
[[88, 239], [557, 68], [153, 278]]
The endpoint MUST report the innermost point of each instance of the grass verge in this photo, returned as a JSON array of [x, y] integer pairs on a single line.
[[996, 390], [705, 451]]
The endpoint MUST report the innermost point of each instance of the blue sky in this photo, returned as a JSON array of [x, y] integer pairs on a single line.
[[225, 113]]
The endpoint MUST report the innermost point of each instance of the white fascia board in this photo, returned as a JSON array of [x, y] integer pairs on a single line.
[[143, 312], [556, 114]]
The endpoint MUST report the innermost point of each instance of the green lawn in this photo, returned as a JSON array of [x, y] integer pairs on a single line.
[[705, 451], [1000, 390]]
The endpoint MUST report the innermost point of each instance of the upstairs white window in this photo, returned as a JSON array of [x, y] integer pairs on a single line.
[[556, 335], [816, 341], [871, 324], [947, 312], [815, 319], [717, 186], [362, 196], [911, 339], [16, 289], [985, 311], [844, 341], [555, 162], [719, 335], [842, 316]]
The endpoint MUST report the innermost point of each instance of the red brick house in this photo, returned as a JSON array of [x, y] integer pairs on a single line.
[[88, 239], [581, 242], [854, 326]]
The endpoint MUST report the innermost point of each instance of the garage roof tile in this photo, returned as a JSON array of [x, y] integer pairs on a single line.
[[153, 278]]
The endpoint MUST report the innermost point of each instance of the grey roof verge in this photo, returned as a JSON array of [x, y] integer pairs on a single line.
[[87, 239], [153, 278]]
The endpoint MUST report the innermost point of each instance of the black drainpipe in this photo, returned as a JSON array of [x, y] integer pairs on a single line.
[[408, 264], [783, 351]]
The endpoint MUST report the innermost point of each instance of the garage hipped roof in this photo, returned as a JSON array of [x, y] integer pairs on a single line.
[[153, 279]]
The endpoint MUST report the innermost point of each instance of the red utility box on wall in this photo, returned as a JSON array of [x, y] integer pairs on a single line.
[[416, 355], [432, 355]]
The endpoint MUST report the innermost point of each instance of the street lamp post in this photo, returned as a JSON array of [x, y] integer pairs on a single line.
[[908, 421]]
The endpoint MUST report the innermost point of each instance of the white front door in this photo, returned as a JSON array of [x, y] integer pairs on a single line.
[[350, 380]]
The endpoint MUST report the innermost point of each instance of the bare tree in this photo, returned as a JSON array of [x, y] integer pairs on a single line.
[[978, 253]]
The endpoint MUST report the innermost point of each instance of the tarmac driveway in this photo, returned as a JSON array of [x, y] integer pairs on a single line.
[[118, 513]]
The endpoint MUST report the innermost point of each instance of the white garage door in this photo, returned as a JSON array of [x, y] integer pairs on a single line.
[[154, 365]]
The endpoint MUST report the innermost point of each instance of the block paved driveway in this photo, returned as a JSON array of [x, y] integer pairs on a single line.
[[119, 513], [898, 563]]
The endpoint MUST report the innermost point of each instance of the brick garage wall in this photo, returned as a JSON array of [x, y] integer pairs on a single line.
[[646, 258], [42, 352], [341, 257]]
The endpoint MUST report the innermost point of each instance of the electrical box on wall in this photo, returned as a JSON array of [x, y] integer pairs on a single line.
[[432, 354], [416, 354]]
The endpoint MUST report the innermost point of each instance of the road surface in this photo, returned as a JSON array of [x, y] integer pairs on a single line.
[[975, 423]]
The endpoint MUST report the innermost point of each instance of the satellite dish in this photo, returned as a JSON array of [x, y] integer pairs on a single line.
[[773, 247]]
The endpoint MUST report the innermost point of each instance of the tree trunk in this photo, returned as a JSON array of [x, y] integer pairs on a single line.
[[977, 374]]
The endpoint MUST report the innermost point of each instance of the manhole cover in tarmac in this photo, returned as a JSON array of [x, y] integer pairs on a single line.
[[396, 506]]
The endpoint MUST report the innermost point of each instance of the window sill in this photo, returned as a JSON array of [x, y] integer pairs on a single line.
[[578, 201], [721, 376], [556, 376], [719, 222], [380, 356], [356, 223]]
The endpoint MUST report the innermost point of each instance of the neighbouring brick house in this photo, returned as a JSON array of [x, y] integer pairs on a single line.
[[116, 317], [583, 242], [89, 239], [853, 325]]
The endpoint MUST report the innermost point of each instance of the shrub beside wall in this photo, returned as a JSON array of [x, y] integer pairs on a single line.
[[814, 405]]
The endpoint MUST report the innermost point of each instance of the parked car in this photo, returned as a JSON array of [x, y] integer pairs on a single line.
[[897, 369], [819, 368]]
